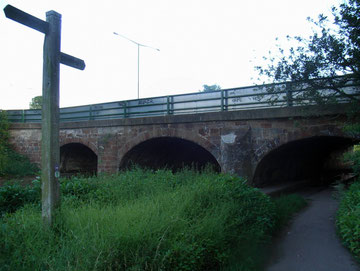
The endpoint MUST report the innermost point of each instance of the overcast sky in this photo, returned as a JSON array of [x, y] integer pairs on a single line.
[[200, 41]]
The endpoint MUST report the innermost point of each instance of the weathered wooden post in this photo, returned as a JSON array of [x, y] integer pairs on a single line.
[[50, 151]]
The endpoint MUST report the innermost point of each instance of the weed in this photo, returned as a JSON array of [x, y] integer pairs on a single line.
[[143, 220], [14, 196], [11, 162], [348, 219], [285, 207]]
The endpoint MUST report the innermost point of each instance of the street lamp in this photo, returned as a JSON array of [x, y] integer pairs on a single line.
[[138, 60]]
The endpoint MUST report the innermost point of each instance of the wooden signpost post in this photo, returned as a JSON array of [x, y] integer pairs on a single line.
[[52, 57]]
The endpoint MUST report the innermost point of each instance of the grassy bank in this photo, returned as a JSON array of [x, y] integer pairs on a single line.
[[348, 216], [12, 163], [348, 219], [142, 220]]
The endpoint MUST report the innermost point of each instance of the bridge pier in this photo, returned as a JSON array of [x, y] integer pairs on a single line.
[[107, 145]]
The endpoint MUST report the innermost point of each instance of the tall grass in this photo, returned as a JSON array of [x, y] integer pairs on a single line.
[[348, 215], [11, 162], [348, 219], [141, 220], [144, 220], [285, 207], [14, 195], [18, 165]]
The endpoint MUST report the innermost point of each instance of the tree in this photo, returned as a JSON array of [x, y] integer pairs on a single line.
[[207, 88], [36, 102], [322, 64]]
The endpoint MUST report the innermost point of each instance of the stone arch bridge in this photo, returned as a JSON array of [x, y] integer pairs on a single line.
[[263, 145]]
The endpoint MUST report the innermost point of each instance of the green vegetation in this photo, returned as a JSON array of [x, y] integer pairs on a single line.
[[13, 196], [11, 162], [4, 139], [285, 207], [353, 158], [348, 216], [207, 88], [348, 219], [333, 49], [18, 165], [314, 64], [36, 102], [140, 220]]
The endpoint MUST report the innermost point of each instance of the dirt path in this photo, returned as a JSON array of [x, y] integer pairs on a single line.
[[310, 243]]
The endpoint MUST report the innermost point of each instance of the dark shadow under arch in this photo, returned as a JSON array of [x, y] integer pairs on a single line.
[[76, 158], [316, 159], [169, 152]]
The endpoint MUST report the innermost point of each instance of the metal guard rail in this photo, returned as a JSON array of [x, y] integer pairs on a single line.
[[244, 98]]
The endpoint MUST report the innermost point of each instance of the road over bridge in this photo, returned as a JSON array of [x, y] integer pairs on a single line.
[[266, 145]]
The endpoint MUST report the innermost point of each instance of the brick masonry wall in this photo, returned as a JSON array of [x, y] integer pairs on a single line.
[[238, 140], [27, 142]]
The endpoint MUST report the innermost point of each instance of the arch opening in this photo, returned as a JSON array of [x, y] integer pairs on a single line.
[[171, 153], [76, 158], [316, 159]]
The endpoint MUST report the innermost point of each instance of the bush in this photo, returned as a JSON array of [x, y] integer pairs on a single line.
[[143, 220], [353, 158], [11, 162], [14, 196], [18, 165], [285, 207], [348, 219]]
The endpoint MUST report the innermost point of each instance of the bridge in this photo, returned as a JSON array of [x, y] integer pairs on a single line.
[[231, 130]]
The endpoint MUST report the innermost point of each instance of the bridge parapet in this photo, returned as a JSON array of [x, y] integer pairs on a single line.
[[245, 98]]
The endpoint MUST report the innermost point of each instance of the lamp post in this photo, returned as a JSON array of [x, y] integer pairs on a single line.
[[138, 60]]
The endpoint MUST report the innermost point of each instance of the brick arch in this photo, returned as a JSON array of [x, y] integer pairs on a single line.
[[288, 136], [209, 146], [87, 143], [291, 160]]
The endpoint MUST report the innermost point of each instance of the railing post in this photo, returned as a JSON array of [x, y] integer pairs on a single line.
[[168, 105], [222, 100], [289, 97], [23, 116], [91, 117], [125, 109]]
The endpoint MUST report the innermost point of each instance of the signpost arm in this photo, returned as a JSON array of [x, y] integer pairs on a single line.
[[50, 152], [24, 18]]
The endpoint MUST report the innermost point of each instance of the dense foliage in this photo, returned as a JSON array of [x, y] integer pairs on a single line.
[[141, 220], [348, 219], [315, 63], [13, 196], [207, 88], [11, 162], [353, 158], [285, 207], [36, 102]]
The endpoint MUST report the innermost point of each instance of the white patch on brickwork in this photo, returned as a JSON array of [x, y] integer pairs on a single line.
[[229, 138], [24, 135]]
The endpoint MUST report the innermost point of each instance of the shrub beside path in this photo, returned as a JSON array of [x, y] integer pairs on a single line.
[[310, 242]]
